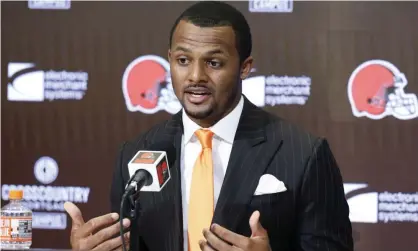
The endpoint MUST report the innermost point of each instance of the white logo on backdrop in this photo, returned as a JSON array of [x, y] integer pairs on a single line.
[[27, 83], [275, 90], [368, 206], [49, 4], [284, 6], [43, 199], [46, 170]]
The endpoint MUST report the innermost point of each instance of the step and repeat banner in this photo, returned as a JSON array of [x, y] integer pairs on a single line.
[[78, 79]]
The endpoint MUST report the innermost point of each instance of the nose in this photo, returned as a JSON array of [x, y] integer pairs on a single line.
[[197, 73]]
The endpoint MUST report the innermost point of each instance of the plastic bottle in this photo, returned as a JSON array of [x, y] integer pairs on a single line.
[[15, 223]]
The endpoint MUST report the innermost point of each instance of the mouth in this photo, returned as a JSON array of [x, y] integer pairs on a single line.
[[197, 95]]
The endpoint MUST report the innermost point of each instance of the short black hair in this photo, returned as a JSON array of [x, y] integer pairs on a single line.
[[216, 14]]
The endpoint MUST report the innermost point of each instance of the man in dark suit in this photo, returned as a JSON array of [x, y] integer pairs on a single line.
[[271, 185]]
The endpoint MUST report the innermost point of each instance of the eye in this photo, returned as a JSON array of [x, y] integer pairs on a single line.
[[214, 64], [183, 61]]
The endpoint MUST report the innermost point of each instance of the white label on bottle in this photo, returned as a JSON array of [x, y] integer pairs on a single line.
[[17, 229]]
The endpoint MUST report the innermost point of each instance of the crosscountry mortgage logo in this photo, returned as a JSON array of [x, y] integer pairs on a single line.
[[46, 170], [29, 83], [367, 206], [44, 199]]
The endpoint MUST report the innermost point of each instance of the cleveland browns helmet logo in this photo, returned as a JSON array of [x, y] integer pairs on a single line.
[[147, 87], [376, 90]]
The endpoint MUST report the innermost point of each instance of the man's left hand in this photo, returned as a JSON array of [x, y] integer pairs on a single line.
[[222, 239]]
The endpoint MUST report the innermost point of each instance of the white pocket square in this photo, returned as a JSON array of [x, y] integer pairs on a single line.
[[269, 184]]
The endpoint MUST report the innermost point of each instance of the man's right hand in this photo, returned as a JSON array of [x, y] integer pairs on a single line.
[[97, 233]]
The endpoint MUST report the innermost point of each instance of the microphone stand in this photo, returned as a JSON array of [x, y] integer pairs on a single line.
[[131, 197], [133, 217]]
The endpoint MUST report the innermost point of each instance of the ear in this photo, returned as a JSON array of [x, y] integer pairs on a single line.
[[246, 67], [169, 55]]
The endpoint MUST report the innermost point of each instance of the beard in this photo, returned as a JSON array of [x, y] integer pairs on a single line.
[[214, 107], [199, 112]]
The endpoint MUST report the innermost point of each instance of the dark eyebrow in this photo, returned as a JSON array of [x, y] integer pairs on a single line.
[[211, 52], [180, 48], [216, 51]]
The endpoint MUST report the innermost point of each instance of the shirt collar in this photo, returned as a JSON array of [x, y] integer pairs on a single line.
[[224, 128]]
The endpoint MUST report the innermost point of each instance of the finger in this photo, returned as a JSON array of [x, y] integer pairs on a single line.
[[97, 223], [214, 241], [115, 243], [257, 229], [107, 233], [75, 214], [204, 246], [229, 236], [120, 248]]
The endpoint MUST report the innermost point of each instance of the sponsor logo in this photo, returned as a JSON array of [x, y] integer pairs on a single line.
[[376, 90], [271, 6], [31, 84], [46, 170], [368, 206], [49, 4], [277, 90], [46, 201], [147, 88]]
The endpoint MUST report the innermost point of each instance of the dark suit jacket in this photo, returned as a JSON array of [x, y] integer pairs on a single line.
[[311, 215]]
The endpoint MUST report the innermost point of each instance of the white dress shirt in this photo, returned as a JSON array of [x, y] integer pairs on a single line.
[[224, 134]]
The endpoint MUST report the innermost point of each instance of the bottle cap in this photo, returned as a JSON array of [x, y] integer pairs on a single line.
[[15, 194]]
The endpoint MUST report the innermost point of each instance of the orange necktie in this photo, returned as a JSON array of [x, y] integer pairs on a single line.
[[201, 191]]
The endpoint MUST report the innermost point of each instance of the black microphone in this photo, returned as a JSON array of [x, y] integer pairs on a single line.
[[140, 178]]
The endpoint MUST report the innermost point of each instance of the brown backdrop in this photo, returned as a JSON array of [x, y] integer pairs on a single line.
[[325, 41]]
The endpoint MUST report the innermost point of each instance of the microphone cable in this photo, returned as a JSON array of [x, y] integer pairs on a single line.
[[122, 206]]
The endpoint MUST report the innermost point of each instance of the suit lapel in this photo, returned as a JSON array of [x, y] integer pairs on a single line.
[[166, 216], [251, 153], [178, 225]]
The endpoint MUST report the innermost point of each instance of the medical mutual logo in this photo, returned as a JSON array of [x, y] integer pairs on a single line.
[[368, 206], [28, 83]]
